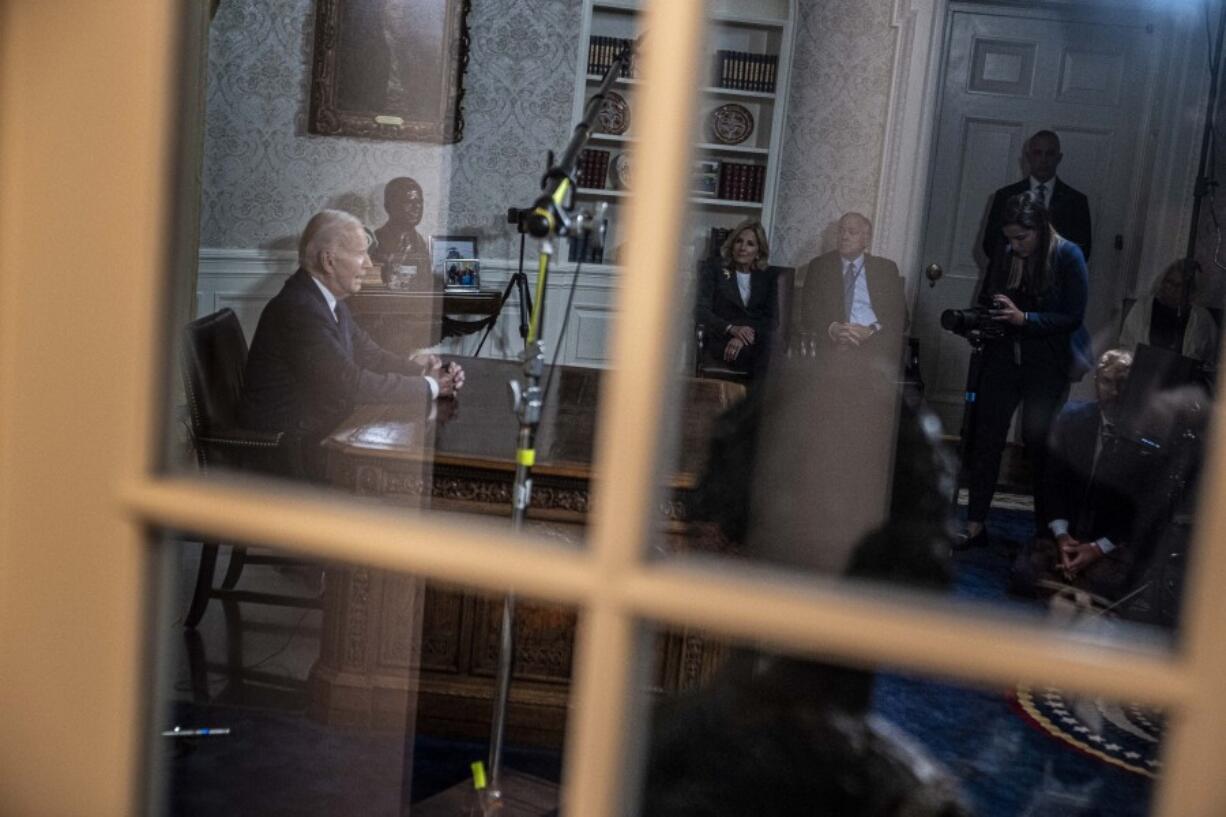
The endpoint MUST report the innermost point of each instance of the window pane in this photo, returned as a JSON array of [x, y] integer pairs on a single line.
[[891, 432], [432, 163], [375, 695], [770, 734]]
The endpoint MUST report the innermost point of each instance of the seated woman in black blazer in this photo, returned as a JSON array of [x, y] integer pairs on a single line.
[[736, 304]]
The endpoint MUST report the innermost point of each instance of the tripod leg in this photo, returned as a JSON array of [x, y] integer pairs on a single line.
[[518, 282], [506, 293], [525, 305], [966, 450], [521, 283]]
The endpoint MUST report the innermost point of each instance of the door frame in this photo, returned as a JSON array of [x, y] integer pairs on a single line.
[[1163, 181]]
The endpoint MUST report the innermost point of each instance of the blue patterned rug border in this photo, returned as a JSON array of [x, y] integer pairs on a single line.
[[1025, 701]]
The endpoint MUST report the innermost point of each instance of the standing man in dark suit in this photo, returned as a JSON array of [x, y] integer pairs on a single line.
[[853, 300], [310, 363], [1069, 208]]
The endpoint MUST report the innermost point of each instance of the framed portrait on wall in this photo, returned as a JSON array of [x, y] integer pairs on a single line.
[[389, 69]]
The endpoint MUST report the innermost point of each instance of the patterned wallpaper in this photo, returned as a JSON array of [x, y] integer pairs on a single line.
[[264, 175], [833, 144]]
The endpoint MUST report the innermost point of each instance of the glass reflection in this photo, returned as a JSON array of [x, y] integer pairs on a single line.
[[770, 734], [834, 459], [366, 286], [314, 688], [846, 318]]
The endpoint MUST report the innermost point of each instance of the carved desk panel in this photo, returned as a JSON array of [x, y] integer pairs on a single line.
[[379, 627]]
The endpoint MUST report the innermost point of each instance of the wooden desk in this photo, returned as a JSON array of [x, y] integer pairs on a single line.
[[379, 627], [404, 321]]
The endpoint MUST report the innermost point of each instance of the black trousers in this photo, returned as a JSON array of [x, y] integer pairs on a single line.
[[752, 360], [1041, 386]]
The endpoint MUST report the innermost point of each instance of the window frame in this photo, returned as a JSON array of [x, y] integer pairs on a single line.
[[115, 496]]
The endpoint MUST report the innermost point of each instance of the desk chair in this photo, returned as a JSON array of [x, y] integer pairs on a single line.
[[214, 358], [785, 286]]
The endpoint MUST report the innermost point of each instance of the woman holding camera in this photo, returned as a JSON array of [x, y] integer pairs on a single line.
[[1036, 291]]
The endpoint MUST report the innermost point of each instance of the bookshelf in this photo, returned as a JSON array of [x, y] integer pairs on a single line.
[[704, 201], [751, 41]]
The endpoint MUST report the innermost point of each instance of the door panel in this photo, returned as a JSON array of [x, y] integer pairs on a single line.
[[989, 149], [1007, 75]]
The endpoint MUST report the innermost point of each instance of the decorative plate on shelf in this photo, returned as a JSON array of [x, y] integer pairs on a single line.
[[731, 124], [621, 171], [614, 116]]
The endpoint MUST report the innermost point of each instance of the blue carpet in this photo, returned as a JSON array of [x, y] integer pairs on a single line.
[[1008, 768], [282, 762]]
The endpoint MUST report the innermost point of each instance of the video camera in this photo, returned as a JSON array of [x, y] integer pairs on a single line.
[[519, 218], [972, 323]]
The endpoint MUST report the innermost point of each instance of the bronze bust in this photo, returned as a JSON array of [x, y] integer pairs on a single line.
[[400, 250]]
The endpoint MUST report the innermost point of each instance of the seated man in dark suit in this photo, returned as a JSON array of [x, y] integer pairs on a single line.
[[853, 300], [1090, 483], [310, 364], [1069, 208]]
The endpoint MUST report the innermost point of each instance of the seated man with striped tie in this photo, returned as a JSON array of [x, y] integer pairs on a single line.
[[855, 302], [310, 363]]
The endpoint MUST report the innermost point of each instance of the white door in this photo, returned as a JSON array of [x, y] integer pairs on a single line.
[[1007, 74]]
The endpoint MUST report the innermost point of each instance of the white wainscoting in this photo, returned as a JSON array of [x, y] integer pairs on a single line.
[[244, 280]]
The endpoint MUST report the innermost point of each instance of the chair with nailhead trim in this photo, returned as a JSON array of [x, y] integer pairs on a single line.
[[214, 357]]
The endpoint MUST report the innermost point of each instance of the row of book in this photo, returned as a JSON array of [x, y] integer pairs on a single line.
[[743, 71], [601, 51], [732, 181], [738, 70], [741, 182], [592, 169]]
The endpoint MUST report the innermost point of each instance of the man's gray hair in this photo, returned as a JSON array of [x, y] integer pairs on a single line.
[[865, 220], [321, 233]]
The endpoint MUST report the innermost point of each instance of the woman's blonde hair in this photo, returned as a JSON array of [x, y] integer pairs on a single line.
[[759, 232], [1191, 272], [1114, 360]]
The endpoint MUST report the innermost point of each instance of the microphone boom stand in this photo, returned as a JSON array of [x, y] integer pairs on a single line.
[[550, 217]]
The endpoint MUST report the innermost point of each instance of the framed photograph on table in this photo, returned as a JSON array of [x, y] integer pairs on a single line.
[[389, 69], [454, 259], [462, 275]]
